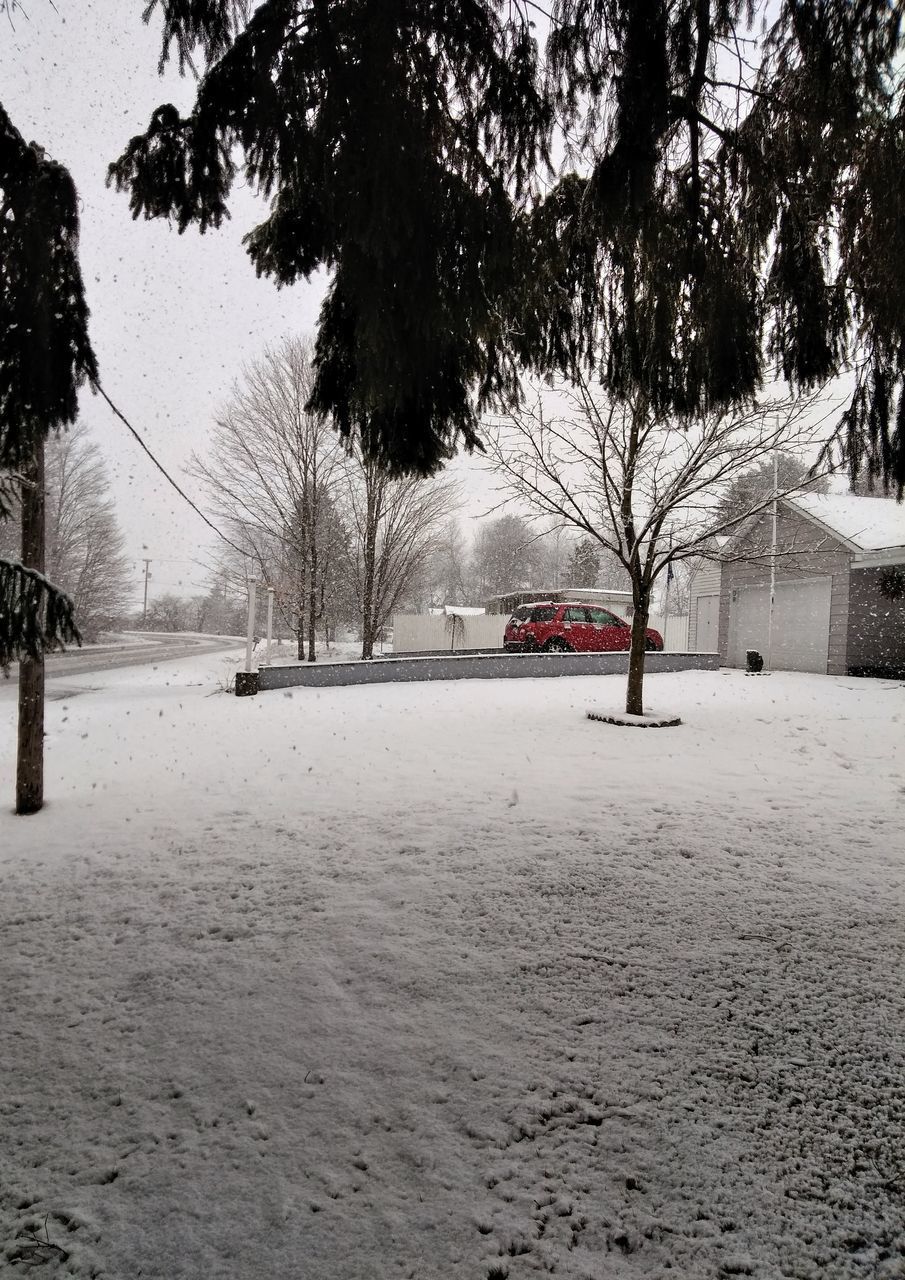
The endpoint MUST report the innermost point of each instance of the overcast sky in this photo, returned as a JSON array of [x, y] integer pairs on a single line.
[[173, 318]]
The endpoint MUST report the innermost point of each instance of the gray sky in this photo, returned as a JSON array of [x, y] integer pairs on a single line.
[[173, 318]]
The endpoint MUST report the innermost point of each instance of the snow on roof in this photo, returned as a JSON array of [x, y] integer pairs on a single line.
[[871, 524]]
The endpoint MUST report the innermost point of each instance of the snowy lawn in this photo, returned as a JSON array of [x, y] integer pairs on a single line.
[[450, 981]]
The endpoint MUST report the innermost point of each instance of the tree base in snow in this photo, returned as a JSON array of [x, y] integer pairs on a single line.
[[636, 722]]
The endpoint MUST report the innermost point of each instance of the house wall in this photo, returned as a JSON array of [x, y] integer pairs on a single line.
[[804, 552], [705, 581], [876, 634]]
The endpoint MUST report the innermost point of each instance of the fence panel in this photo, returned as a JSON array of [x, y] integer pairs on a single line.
[[673, 629], [415, 633]]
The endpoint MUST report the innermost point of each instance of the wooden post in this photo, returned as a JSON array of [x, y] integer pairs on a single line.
[[30, 761]]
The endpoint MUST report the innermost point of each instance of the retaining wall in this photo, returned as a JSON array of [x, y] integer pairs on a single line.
[[321, 675]]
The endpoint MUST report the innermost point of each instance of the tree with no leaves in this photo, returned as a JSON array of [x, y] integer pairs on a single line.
[[84, 554], [397, 526], [272, 475], [642, 490], [507, 555]]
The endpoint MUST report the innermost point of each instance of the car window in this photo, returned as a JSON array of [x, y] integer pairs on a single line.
[[520, 615], [575, 614], [606, 618], [545, 613]]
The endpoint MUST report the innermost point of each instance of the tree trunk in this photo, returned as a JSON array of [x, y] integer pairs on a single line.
[[30, 763], [370, 559], [634, 696], [312, 604], [367, 604]]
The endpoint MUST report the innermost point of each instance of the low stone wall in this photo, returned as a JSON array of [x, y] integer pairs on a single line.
[[495, 666]]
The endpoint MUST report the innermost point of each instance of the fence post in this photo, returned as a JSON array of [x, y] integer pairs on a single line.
[[269, 624], [250, 633]]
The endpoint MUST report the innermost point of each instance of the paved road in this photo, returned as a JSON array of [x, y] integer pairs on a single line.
[[151, 650]]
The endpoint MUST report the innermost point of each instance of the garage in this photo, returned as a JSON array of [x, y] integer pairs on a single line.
[[801, 624]]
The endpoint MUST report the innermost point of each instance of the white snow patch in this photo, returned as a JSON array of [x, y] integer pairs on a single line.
[[873, 524], [440, 980]]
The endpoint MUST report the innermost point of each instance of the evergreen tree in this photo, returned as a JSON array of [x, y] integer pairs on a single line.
[[44, 355], [734, 196], [584, 564], [749, 490]]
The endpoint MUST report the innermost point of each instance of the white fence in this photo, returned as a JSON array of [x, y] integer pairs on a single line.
[[422, 632], [417, 632], [673, 629]]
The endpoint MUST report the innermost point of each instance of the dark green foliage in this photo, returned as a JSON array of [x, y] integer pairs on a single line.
[[731, 204], [34, 615], [584, 564], [391, 136], [190, 23], [44, 349], [750, 489], [44, 356]]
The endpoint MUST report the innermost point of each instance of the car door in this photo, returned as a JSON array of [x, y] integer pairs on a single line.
[[577, 629], [610, 633]]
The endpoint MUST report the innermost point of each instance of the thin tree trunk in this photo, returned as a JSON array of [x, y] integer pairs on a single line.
[[367, 609], [312, 604], [30, 763], [634, 696]]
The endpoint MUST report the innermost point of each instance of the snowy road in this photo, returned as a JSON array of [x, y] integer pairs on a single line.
[[448, 981], [150, 650]]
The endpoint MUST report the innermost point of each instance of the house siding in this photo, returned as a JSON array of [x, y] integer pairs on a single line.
[[705, 581], [876, 637], [805, 552]]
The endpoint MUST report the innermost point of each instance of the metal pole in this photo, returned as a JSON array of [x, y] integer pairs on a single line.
[[773, 562], [269, 623], [250, 634]]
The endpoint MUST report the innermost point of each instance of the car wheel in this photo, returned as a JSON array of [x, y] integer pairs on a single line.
[[557, 645], [651, 645], [530, 645]]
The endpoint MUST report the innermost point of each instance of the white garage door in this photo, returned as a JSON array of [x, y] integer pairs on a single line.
[[707, 623], [801, 624]]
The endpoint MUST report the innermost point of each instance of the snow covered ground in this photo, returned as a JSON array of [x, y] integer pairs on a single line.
[[449, 981]]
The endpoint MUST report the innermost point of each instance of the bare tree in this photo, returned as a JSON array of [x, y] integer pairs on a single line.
[[447, 573], [644, 490], [84, 553], [508, 554], [396, 525], [272, 476]]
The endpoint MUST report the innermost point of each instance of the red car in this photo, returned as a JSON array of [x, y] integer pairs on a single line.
[[570, 628]]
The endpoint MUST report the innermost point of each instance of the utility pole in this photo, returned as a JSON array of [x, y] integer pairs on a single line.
[[144, 612], [30, 758]]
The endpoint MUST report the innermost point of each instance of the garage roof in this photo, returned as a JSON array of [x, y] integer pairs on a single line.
[[866, 524]]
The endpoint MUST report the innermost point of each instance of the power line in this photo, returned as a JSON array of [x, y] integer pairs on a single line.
[[163, 471]]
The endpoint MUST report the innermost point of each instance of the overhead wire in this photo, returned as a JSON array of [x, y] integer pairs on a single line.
[[96, 386]]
